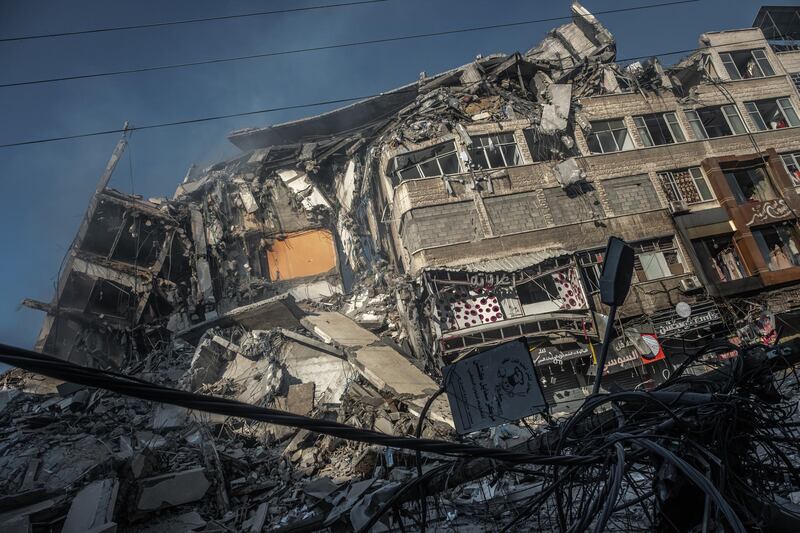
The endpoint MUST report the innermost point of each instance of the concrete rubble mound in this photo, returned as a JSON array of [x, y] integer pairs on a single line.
[[338, 263]]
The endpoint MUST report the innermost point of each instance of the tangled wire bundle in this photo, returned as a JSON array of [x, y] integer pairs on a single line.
[[715, 448]]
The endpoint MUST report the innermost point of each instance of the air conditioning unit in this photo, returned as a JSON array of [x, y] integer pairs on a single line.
[[690, 284], [678, 207]]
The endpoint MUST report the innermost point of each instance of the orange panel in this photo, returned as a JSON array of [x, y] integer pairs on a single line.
[[301, 254]]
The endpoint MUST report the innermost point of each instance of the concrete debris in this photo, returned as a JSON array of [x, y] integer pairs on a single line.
[[93, 508], [339, 262], [169, 490]]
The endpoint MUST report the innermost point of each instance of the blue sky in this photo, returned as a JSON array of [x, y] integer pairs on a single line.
[[45, 188]]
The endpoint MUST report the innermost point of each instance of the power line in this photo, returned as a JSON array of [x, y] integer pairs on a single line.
[[187, 21], [328, 47], [193, 120], [275, 109], [50, 366]]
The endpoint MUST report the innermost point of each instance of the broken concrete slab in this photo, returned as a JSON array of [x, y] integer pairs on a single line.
[[254, 381], [278, 311], [555, 114], [568, 172], [381, 365], [328, 372], [300, 398], [93, 508], [337, 329], [169, 490], [208, 361], [255, 523]]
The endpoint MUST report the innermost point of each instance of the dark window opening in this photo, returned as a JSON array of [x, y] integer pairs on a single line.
[[658, 129], [779, 245], [746, 64], [439, 160], [719, 258], [772, 114], [750, 184], [791, 162], [494, 151], [545, 147], [711, 122], [110, 299]]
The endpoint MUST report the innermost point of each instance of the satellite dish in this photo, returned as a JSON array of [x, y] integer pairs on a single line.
[[683, 309], [653, 347]]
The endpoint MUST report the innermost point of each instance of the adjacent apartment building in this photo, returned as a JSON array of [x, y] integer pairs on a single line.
[[472, 207]]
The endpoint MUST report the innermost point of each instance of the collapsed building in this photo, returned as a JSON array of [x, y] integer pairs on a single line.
[[359, 251]]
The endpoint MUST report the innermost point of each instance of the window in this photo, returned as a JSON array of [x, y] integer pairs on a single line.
[[747, 64], [772, 114], [779, 245], [609, 136], [539, 295], [750, 184], [710, 122], [791, 163], [688, 186], [495, 151], [719, 258], [439, 160], [658, 129], [655, 259]]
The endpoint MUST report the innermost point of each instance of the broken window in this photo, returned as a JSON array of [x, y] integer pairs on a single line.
[[609, 136], [659, 128], [494, 151], [772, 114], [439, 160], [779, 245], [746, 64], [687, 186], [750, 184], [791, 162], [710, 122], [654, 259]]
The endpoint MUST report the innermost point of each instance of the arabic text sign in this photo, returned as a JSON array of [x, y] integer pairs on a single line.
[[494, 387], [682, 325]]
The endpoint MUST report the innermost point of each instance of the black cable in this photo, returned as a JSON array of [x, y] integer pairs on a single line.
[[186, 21], [418, 454], [194, 121], [53, 367], [328, 47]]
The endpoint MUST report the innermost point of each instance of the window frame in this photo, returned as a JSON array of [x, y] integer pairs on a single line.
[[699, 129], [673, 127], [454, 152], [591, 261], [496, 146], [594, 132], [739, 193], [781, 104], [795, 160], [697, 175], [733, 70]]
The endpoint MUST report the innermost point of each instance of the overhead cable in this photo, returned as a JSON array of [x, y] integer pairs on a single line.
[[323, 47]]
